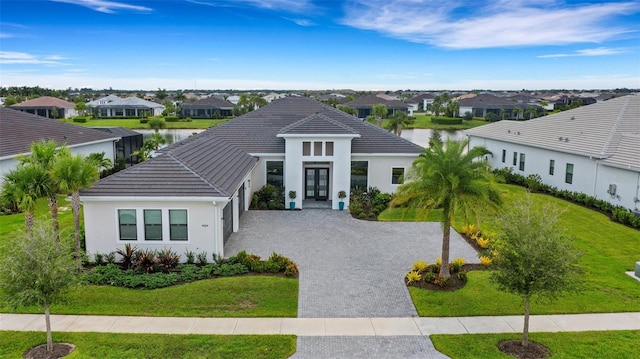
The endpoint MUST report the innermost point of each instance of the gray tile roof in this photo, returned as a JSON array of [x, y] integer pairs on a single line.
[[486, 100], [368, 101], [608, 130], [118, 131], [318, 124], [208, 167], [18, 130], [211, 101], [214, 162], [129, 102]]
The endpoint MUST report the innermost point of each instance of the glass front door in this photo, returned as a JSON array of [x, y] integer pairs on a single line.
[[317, 184]]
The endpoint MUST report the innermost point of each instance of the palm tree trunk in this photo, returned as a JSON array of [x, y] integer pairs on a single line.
[[446, 234], [53, 209], [29, 219], [525, 330], [47, 320], [75, 209]]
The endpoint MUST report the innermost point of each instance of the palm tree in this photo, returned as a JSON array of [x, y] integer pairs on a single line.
[[44, 154], [399, 120], [98, 159], [23, 186], [157, 123], [516, 112], [74, 173], [446, 176]]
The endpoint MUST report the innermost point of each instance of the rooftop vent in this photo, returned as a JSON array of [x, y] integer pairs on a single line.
[[573, 118]]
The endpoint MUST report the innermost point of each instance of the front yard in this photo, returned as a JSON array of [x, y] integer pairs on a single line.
[[609, 250]]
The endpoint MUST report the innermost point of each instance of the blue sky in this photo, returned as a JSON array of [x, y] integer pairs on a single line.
[[308, 44]]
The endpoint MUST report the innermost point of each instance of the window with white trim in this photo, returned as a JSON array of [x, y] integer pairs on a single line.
[[127, 224], [522, 157], [178, 225], [152, 224], [552, 167], [568, 177]]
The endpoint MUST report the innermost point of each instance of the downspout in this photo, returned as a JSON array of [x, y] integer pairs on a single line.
[[595, 179]]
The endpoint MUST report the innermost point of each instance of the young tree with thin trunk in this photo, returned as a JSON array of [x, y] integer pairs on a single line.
[[448, 177], [74, 173], [36, 269], [534, 258]]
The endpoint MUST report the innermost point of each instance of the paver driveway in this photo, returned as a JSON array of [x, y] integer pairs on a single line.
[[348, 267]]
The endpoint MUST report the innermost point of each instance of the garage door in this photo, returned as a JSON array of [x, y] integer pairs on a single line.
[[227, 221]]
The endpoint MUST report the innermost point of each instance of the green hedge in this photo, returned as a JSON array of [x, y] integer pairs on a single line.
[[172, 118], [446, 120], [80, 119]]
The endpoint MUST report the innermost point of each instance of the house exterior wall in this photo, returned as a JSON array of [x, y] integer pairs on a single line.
[[204, 223], [589, 175], [380, 167]]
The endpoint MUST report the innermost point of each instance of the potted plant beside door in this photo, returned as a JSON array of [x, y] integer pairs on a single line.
[[342, 195], [292, 203]]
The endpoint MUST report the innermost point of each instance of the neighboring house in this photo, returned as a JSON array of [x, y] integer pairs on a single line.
[[207, 108], [421, 102], [130, 142], [593, 149], [46, 106], [114, 106], [192, 195], [18, 130], [567, 101], [364, 105], [483, 104]]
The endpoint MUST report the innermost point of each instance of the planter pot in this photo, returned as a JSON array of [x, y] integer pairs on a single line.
[[292, 206], [341, 205]]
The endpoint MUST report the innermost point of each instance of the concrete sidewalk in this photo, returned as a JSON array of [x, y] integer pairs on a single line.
[[319, 327]]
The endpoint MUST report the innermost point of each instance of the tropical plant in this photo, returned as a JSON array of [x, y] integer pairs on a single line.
[[128, 255], [157, 124], [452, 179], [167, 259], [37, 269], [342, 194], [534, 257], [146, 260], [74, 173], [397, 121], [379, 112], [413, 276], [100, 161], [22, 187], [419, 266]]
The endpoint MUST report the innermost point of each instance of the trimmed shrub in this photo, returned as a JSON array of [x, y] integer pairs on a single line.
[[80, 119]]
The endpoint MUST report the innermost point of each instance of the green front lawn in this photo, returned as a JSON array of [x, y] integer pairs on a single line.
[[135, 124], [116, 346], [609, 249], [11, 223], [609, 344], [242, 296], [424, 121]]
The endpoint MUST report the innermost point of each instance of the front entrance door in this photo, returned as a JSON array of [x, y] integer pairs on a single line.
[[317, 184]]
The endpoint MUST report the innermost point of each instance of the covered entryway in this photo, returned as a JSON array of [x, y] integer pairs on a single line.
[[316, 184], [227, 221]]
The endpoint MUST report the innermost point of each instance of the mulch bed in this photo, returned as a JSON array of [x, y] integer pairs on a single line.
[[532, 351], [60, 350], [454, 282]]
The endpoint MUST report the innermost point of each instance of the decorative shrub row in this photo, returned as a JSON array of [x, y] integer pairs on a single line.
[[80, 119], [156, 269], [446, 120], [368, 204], [534, 183], [268, 197]]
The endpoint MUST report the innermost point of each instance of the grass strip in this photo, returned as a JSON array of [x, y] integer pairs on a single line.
[[109, 345]]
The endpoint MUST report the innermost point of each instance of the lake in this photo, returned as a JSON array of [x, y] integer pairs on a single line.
[[418, 136]]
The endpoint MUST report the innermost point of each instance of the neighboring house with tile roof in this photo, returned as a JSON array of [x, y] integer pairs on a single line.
[[364, 105], [47, 106], [18, 130], [421, 102], [208, 107], [482, 104], [114, 106], [593, 149], [191, 196]]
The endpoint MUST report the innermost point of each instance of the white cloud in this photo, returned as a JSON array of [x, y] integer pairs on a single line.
[[23, 58], [302, 22], [295, 6], [107, 7], [461, 24], [599, 51]]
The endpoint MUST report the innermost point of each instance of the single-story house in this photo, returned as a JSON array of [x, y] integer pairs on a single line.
[[482, 104], [364, 105], [593, 149], [191, 196], [207, 108], [114, 106], [47, 106], [20, 129]]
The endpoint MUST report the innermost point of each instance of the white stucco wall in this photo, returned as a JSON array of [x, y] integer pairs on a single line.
[[380, 165], [589, 175], [204, 225]]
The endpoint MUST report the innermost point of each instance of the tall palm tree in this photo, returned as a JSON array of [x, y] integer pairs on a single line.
[[74, 173], [398, 121], [44, 154], [22, 187], [448, 177]]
